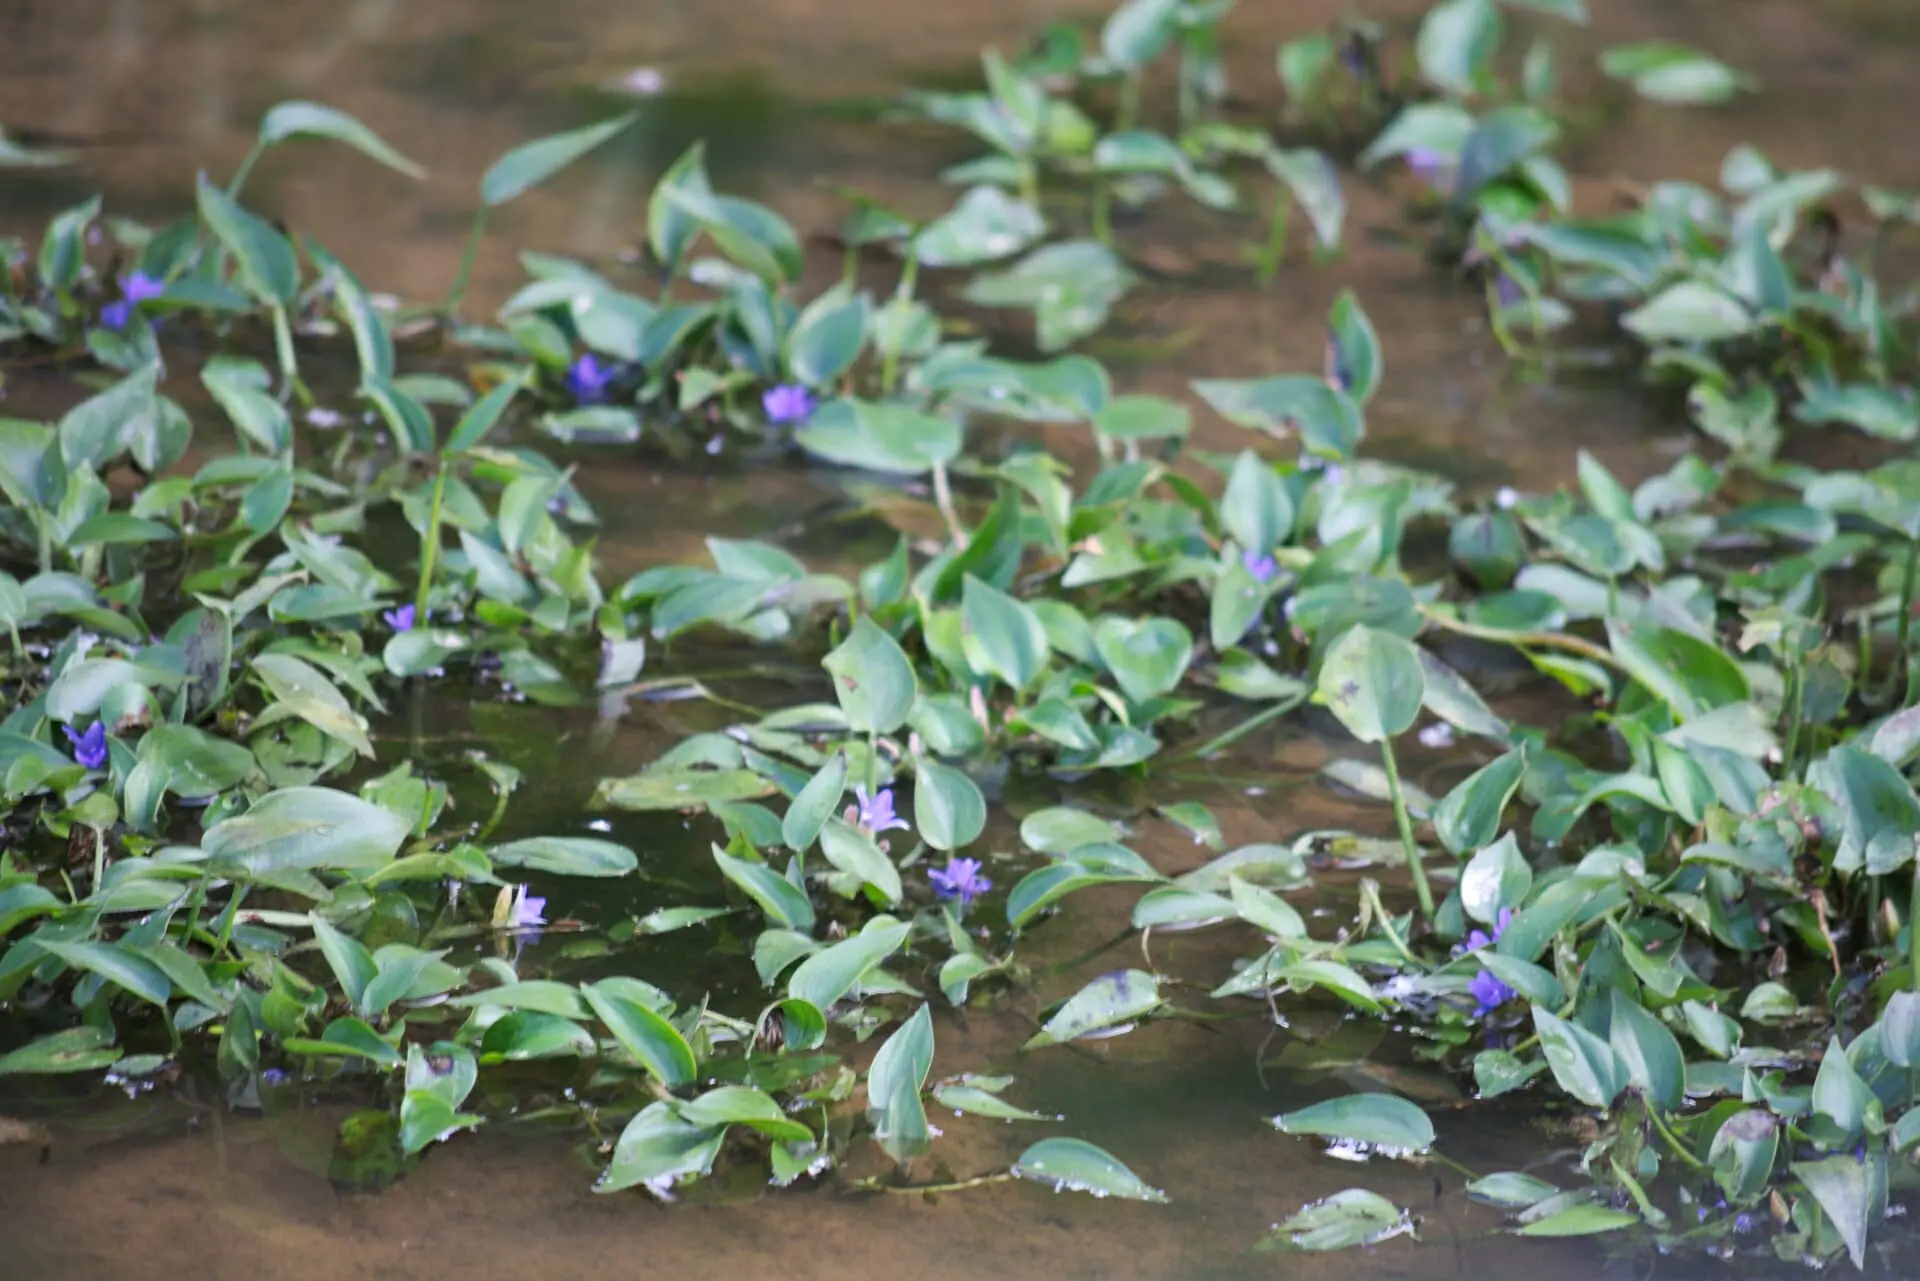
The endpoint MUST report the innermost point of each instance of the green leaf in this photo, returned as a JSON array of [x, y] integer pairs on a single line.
[[349, 960], [1137, 31], [313, 698], [1353, 348], [74, 1049], [948, 809], [1375, 1120], [1841, 1096], [858, 855], [1265, 910], [899, 1070], [1510, 1191], [984, 225], [976, 1100], [1255, 509], [816, 803], [831, 973], [1373, 682], [1649, 1052], [1143, 418], [1468, 816], [267, 266], [1691, 311], [565, 856], [658, 1148], [872, 679], [1690, 675], [1002, 636], [744, 1105], [1495, 877], [1061, 829], [1456, 40], [785, 904], [1124, 996], [827, 338], [311, 119], [1585, 1066], [1879, 813], [656, 1043], [1074, 1165], [1845, 1192], [119, 965], [1342, 1221], [532, 163], [680, 789], [544, 996], [304, 829], [1585, 1218], [349, 1038], [1146, 656], [1662, 71], [526, 1035]]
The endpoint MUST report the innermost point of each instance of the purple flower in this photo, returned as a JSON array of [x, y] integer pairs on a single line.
[[960, 879], [401, 619], [875, 814], [526, 911], [134, 290], [1430, 166], [1480, 938], [90, 748], [1743, 1223], [274, 1076], [588, 379], [1507, 290], [787, 403], [1490, 992], [1263, 568]]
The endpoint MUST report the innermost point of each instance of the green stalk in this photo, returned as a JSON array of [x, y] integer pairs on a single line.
[[1913, 930], [430, 547], [467, 259], [1276, 233], [1129, 103], [890, 364], [246, 168], [1102, 210], [1421, 889], [1903, 626]]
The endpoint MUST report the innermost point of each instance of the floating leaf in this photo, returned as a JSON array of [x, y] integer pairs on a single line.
[[1074, 1165], [1342, 1221], [1376, 1120], [1122, 997]]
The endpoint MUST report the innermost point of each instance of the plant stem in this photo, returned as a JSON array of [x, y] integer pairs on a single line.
[[943, 499], [467, 260], [1673, 1141], [961, 1185], [1548, 640], [1370, 890], [1903, 625], [1243, 729], [246, 168], [902, 295], [430, 547], [1913, 929], [1421, 889], [1129, 103], [1276, 233], [1102, 211]]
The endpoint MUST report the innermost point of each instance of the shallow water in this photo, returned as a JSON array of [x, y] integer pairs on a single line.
[[175, 1184]]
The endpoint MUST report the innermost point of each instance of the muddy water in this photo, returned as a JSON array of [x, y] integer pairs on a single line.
[[172, 1184]]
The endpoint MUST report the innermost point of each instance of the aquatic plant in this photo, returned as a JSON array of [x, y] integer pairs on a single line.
[[1684, 905]]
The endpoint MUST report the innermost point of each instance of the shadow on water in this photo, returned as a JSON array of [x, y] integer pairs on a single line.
[[172, 1183]]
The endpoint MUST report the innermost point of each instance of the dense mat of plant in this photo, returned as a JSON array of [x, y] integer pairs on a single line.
[[1685, 906]]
